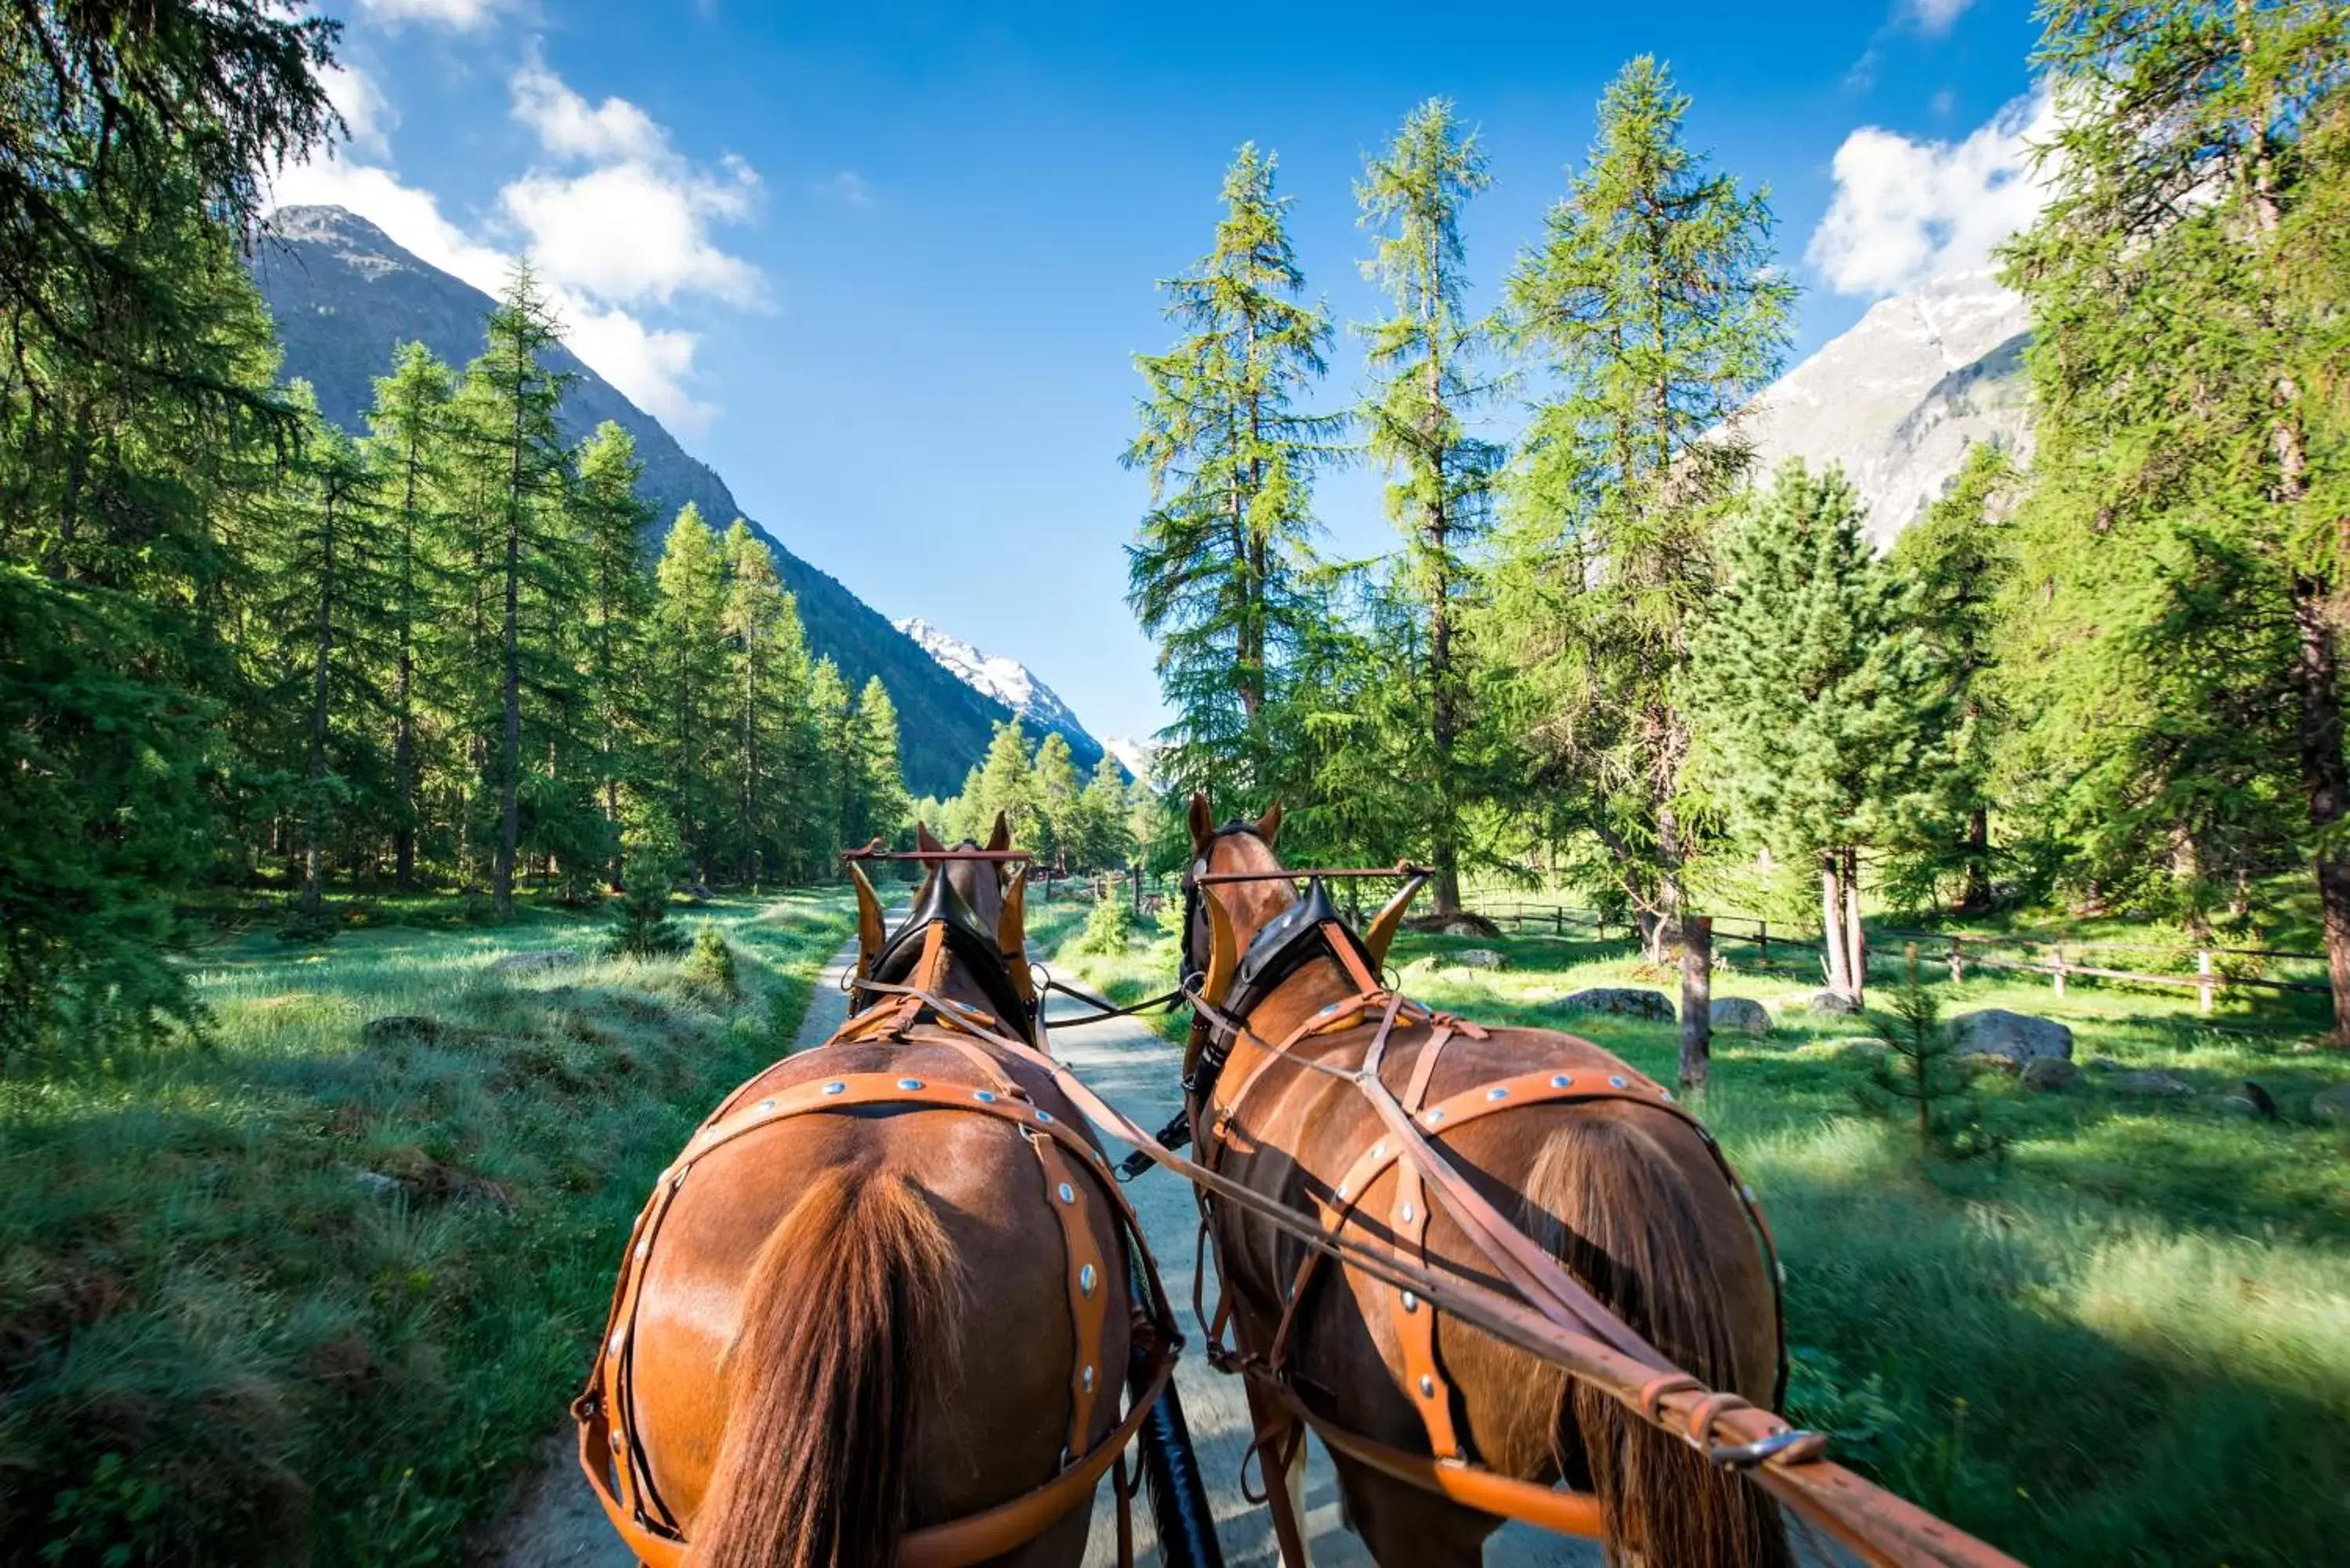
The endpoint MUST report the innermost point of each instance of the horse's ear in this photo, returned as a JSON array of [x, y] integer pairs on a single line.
[[1203, 823], [1002, 838], [1268, 826], [925, 840], [1011, 935], [869, 920], [1381, 932]]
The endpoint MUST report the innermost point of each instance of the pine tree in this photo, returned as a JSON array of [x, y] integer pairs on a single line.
[[1060, 840], [1951, 567], [1005, 781], [835, 765], [1805, 681], [1103, 840], [885, 808], [508, 438], [768, 701], [2183, 533], [690, 654], [616, 616], [1653, 306], [1426, 379], [1217, 571], [408, 446]]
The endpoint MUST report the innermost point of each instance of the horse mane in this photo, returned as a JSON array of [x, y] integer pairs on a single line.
[[850, 1306]]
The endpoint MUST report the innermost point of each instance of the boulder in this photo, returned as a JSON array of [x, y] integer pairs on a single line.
[[2232, 1105], [2017, 1036], [376, 1182], [1740, 1016], [2045, 1074], [2150, 1084], [1479, 958], [1990, 1062], [534, 962], [1829, 1002], [1622, 1001], [402, 1028], [2103, 1065], [2332, 1105]]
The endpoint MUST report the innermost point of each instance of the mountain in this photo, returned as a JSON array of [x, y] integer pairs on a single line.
[[1008, 682], [1900, 398], [344, 296], [1135, 756]]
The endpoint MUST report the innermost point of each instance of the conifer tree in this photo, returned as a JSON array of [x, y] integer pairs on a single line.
[[1103, 840], [508, 438], [690, 647], [1217, 571], [1805, 681], [1951, 567], [885, 806], [2185, 281], [768, 699], [835, 768], [1060, 841], [1653, 308], [1006, 780], [408, 446], [1427, 380]]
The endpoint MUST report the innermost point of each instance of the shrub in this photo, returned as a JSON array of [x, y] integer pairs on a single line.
[[644, 928], [1920, 1077], [1107, 930], [712, 962]]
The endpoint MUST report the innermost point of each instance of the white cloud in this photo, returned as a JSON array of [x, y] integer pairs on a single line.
[[849, 188], [1933, 17], [569, 127], [629, 230], [1906, 210], [462, 16], [633, 232], [366, 113]]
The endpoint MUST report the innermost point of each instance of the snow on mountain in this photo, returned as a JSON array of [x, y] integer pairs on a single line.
[[1135, 756], [1007, 680], [1899, 399]]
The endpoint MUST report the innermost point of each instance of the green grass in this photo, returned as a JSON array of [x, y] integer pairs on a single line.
[[2128, 1343], [296, 1296]]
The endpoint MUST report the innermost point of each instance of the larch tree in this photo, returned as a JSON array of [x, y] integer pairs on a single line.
[[767, 697], [408, 445], [2186, 282], [1058, 788], [1655, 315], [1217, 569], [1428, 379], [616, 616], [522, 473], [1805, 681], [834, 769], [884, 805], [691, 651]]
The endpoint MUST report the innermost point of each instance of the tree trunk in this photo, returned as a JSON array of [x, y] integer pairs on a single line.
[[1975, 897], [2326, 782], [1832, 921], [510, 743], [1855, 941], [313, 826], [1697, 1001]]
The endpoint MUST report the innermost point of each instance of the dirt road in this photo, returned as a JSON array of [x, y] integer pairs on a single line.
[[557, 1524]]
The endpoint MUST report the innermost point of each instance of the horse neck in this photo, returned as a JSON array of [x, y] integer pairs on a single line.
[[1318, 982]]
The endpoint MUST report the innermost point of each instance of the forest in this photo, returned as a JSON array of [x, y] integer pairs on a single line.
[[1609, 652]]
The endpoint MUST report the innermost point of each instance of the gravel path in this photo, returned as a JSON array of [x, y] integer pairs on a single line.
[[556, 1522]]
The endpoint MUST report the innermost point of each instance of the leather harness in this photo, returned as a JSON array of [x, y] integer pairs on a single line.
[[1308, 930], [1007, 1067]]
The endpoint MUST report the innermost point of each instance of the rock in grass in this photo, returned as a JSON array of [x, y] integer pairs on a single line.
[[1479, 958], [2332, 1105], [1621, 1000], [402, 1028], [1829, 1002], [2232, 1105], [1740, 1016], [2045, 1074], [2151, 1084], [2017, 1036], [376, 1182], [535, 962]]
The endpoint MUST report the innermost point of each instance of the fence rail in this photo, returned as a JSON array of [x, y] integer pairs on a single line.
[[1961, 951]]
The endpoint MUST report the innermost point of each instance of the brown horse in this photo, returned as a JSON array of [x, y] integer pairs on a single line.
[[852, 1327], [1629, 1198]]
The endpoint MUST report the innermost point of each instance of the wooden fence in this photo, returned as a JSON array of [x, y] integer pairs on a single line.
[[2060, 958]]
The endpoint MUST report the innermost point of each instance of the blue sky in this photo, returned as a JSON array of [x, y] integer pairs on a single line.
[[884, 267]]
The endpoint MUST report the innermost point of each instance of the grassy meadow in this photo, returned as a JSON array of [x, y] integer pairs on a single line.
[[2128, 1341], [310, 1291]]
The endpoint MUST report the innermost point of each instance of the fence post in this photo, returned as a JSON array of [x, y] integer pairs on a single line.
[[1697, 1000], [2056, 976], [1763, 939], [1558, 918], [1957, 960], [2203, 982]]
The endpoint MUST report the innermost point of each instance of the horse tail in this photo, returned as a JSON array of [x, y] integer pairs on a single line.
[[1626, 1224], [850, 1293]]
